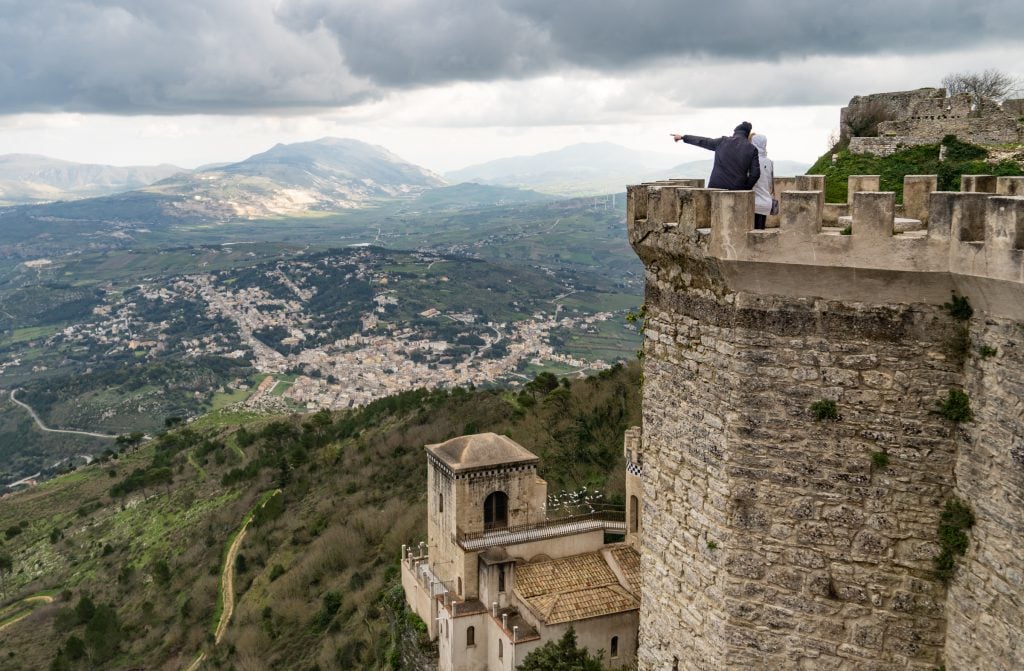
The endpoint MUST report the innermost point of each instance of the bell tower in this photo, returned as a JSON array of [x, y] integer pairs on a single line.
[[477, 484]]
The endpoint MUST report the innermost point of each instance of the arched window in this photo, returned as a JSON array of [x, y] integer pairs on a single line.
[[470, 637], [496, 511], [634, 514], [615, 647], [501, 578], [500, 649], [440, 503]]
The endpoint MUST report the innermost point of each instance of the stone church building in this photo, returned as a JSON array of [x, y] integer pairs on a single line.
[[499, 576]]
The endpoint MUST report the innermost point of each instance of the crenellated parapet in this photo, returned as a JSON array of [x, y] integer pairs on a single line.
[[971, 241]]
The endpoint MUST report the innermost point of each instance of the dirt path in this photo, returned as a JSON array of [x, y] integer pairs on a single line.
[[43, 427], [227, 583], [42, 597]]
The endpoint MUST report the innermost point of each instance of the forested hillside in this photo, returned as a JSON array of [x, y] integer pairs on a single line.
[[131, 550]]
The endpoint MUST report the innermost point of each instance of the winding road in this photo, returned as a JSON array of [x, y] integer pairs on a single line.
[[43, 427]]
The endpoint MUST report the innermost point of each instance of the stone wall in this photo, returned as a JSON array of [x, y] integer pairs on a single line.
[[775, 539], [986, 600], [885, 145], [926, 116]]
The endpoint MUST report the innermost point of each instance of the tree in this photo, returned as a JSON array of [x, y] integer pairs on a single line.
[[103, 634], [85, 610], [991, 84], [161, 572], [6, 564], [561, 655]]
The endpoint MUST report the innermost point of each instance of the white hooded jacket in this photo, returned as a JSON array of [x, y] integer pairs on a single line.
[[765, 184]]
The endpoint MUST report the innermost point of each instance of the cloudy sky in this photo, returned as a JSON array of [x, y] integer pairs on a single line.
[[446, 83]]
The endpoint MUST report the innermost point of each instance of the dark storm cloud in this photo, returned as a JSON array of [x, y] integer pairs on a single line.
[[177, 56], [163, 56]]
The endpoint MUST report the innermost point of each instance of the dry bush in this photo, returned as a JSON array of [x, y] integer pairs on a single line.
[[246, 661], [863, 120], [990, 84], [250, 639]]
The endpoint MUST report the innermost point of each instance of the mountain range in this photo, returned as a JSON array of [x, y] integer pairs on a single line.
[[592, 169], [306, 179], [27, 178]]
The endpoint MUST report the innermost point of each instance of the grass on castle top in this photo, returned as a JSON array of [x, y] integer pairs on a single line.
[[961, 159]]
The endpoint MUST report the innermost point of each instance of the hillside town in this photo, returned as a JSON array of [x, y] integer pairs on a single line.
[[269, 317]]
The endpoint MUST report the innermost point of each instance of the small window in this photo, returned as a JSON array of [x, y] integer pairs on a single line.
[[615, 647], [440, 503], [501, 578], [460, 586], [470, 637], [501, 650], [634, 514]]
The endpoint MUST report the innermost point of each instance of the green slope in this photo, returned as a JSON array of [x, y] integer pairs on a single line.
[[133, 548], [961, 158]]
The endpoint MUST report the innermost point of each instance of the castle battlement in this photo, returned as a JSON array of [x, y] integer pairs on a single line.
[[970, 242], [797, 448]]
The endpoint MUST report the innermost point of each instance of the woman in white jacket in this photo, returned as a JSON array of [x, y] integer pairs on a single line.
[[765, 187]]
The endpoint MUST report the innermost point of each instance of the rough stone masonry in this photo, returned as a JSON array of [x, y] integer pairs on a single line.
[[775, 539]]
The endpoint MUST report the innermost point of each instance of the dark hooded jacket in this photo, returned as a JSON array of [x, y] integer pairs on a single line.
[[736, 165]]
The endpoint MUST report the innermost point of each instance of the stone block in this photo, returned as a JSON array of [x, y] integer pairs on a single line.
[[916, 191], [1010, 186], [857, 183], [873, 214], [732, 217], [694, 208], [831, 212], [957, 216], [978, 183], [636, 202], [810, 183], [800, 212], [1005, 229]]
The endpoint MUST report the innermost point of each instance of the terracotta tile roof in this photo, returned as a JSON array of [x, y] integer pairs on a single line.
[[572, 588], [628, 560]]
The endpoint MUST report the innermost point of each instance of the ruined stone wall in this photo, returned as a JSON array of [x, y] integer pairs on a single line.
[[885, 145], [926, 116], [896, 103], [774, 539]]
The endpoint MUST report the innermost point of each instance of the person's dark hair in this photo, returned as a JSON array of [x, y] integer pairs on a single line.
[[744, 128]]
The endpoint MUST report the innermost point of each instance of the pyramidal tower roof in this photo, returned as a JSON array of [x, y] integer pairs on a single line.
[[480, 451]]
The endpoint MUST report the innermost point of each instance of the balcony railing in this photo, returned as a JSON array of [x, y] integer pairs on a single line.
[[609, 519]]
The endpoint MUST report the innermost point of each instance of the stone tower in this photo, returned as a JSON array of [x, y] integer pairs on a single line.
[[634, 453], [477, 483], [778, 537]]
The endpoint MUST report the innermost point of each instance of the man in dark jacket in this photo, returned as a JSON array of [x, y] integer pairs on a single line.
[[736, 165]]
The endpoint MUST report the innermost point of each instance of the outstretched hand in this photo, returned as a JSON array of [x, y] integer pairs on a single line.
[[676, 136]]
